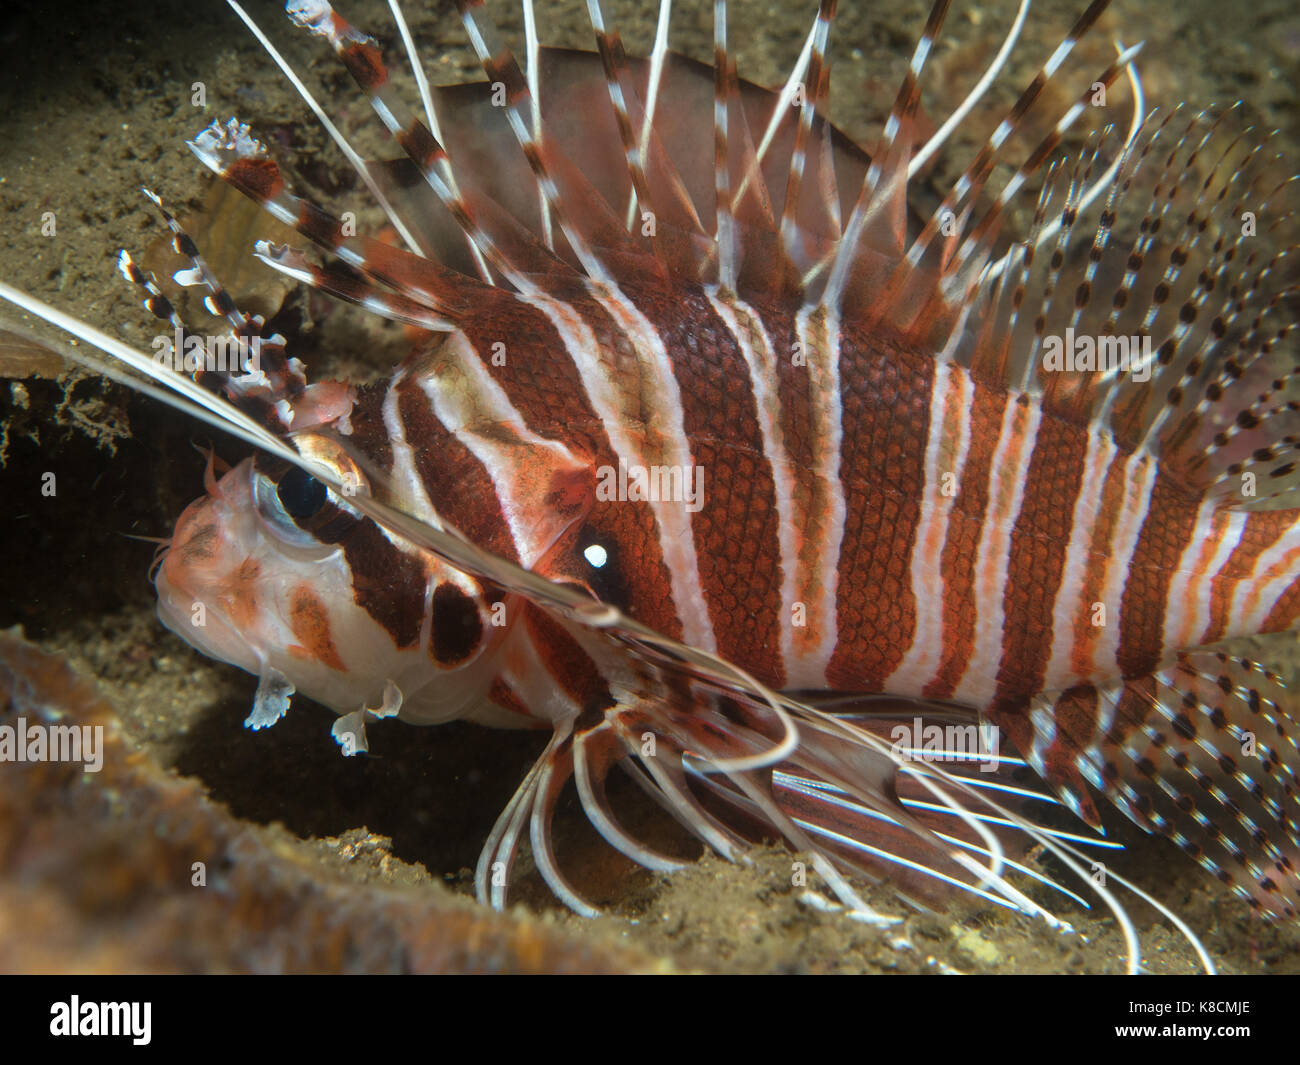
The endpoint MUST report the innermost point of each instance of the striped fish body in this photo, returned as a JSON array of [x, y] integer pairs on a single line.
[[853, 516], [866, 521], [784, 435]]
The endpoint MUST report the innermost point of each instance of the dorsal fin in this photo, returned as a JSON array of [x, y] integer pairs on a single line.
[[559, 171], [1174, 339], [232, 153]]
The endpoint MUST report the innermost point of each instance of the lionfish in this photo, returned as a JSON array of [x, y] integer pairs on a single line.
[[722, 460]]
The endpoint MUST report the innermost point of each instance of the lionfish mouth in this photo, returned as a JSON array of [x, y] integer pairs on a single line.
[[207, 576], [813, 507]]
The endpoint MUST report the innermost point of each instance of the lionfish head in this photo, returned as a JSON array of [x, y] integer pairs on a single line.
[[276, 572]]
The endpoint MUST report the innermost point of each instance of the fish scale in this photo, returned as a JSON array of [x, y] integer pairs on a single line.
[[844, 463]]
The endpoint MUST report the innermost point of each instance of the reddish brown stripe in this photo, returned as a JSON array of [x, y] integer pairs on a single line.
[[1263, 528], [736, 529], [567, 663], [257, 178], [320, 227], [310, 624], [331, 524], [1168, 529], [960, 549], [1085, 21], [525, 355], [1076, 714], [1286, 610], [365, 64], [456, 630], [1086, 634], [344, 282], [541, 381], [802, 423], [450, 293], [503, 68], [387, 583], [420, 145], [1134, 707], [459, 488], [934, 20], [1039, 539], [885, 391]]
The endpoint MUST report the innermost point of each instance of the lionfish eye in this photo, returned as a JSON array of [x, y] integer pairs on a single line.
[[297, 496], [300, 493], [601, 569]]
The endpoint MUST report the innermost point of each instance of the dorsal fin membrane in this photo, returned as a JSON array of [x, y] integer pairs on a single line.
[[877, 222], [1174, 340], [816, 89], [764, 264], [584, 135], [937, 278], [572, 154]]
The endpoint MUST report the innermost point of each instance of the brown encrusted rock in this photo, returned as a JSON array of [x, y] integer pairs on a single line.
[[97, 872]]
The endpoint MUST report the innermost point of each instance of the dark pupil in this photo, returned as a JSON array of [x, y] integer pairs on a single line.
[[300, 493], [606, 581]]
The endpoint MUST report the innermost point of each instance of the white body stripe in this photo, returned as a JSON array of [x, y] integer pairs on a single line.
[[821, 496], [1006, 493], [408, 488], [1139, 478], [475, 409], [663, 420], [1253, 599], [946, 451], [665, 444], [1187, 613], [1070, 602], [760, 360]]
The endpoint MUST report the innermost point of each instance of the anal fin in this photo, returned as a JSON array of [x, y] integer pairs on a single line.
[[1203, 752]]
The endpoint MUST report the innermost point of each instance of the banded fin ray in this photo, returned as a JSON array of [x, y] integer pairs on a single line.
[[1161, 352], [1170, 751]]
